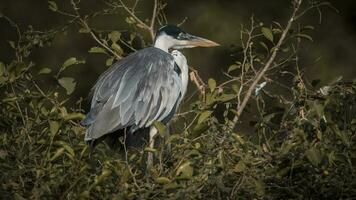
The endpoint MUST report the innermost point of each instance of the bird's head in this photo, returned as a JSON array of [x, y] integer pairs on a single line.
[[172, 37]]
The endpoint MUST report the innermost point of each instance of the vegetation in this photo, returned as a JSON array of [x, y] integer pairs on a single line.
[[299, 144]]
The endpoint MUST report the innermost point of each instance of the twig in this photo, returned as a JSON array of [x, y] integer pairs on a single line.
[[260, 75], [18, 105], [127, 160], [141, 24], [86, 26], [196, 79], [182, 22], [153, 19]]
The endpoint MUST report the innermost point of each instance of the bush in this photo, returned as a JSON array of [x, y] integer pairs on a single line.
[[299, 145]]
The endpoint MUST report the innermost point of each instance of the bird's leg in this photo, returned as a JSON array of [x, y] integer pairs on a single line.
[[153, 132]]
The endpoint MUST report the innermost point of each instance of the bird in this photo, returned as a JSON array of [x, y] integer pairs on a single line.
[[140, 89]]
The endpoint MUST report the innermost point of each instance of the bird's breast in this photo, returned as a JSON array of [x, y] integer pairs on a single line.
[[182, 65]]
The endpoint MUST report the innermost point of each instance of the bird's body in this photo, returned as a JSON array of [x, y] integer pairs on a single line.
[[133, 94], [142, 88]]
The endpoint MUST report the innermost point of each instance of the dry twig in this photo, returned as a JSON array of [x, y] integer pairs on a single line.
[[197, 80]]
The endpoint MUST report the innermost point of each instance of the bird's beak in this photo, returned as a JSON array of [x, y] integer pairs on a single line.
[[195, 41]]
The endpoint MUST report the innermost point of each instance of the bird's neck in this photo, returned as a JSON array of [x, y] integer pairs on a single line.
[[163, 42]]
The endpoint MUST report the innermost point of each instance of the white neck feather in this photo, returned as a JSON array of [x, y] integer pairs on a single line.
[[181, 61], [165, 42]]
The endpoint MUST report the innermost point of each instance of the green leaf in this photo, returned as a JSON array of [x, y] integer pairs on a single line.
[[130, 20], [238, 138], [276, 30], [308, 27], [74, 116], [114, 36], [212, 84], [53, 127], [52, 6], [68, 149], [97, 50], [227, 97], [319, 108], [58, 153], [305, 36], [68, 84], [264, 46], [117, 48], [286, 147], [84, 30], [204, 115], [314, 156], [185, 171], [104, 174], [45, 71], [260, 187], [200, 128], [247, 67], [12, 44], [233, 67], [148, 149], [162, 180], [235, 87], [160, 127], [109, 61], [69, 62], [210, 98], [240, 166], [267, 33], [353, 121]]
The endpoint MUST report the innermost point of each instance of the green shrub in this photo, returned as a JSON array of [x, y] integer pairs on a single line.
[[299, 145]]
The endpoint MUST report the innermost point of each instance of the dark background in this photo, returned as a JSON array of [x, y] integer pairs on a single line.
[[330, 55]]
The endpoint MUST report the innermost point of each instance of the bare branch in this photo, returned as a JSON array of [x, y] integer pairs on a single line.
[[260, 74], [196, 79], [153, 19]]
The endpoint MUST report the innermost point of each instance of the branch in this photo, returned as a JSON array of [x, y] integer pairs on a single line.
[[196, 79], [86, 26], [260, 75], [141, 24], [153, 19], [98, 40]]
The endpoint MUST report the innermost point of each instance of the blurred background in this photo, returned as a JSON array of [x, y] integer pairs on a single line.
[[330, 55]]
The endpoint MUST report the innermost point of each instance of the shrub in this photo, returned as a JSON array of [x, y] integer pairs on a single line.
[[300, 144]]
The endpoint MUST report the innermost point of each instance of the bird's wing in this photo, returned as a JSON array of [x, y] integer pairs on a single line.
[[139, 90]]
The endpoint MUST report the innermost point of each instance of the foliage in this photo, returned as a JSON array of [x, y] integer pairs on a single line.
[[300, 143]]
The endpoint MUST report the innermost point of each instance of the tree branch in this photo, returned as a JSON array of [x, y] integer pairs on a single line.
[[86, 26], [141, 24], [153, 19], [197, 80], [260, 75]]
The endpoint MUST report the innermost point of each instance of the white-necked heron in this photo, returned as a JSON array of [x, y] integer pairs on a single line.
[[142, 88]]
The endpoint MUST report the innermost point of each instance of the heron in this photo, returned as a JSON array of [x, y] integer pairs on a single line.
[[146, 86]]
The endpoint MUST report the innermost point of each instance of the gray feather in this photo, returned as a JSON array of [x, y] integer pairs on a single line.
[[134, 92]]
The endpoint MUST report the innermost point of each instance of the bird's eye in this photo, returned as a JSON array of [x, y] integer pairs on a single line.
[[180, 35]]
